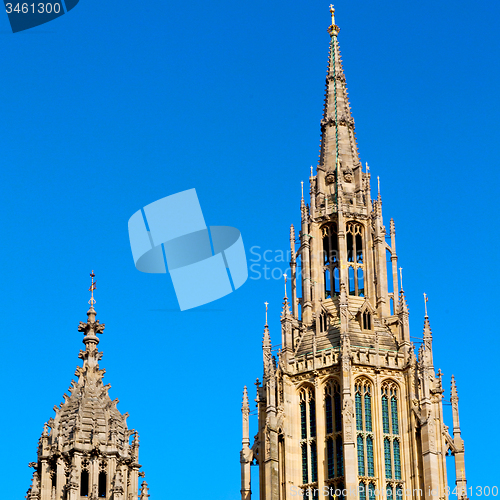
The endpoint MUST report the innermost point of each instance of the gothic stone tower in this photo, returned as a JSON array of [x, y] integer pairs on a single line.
[[348, 408], [87, 454]]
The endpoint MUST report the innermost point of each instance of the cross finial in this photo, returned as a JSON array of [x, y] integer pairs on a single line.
[[266, 303], [332, 12], [285, 276], [401, 277], [426, 299], [91, 289]]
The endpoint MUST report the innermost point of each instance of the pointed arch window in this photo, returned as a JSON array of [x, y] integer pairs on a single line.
[[334, 451], [331, 260], [314, 462], [102, 484], [355, 258], [303, 420], [392, 442], [362, 491], [84, 483], [309, 449], [371, 491], [367, 321], [305, 468], [364, 429], [323, 322]]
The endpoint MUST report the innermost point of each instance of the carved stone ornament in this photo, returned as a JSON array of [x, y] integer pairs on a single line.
[[330, 177], [268, 444], [348, 414], [348, 175]]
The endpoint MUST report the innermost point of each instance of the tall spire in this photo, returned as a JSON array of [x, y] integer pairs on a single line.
[[461, 481], [266, 348], [338, 151], [246, 453], [427, 335]]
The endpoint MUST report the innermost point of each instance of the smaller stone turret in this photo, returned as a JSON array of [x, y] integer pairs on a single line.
[[87, 452]]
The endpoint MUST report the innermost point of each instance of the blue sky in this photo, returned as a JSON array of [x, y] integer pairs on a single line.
[[118, 104]]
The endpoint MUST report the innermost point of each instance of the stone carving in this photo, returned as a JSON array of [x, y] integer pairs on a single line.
[[348, 175], [348, 416], [330, 177], [86, 416]]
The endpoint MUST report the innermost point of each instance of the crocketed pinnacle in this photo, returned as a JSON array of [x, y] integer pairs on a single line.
[[338, 143], [454, 393], [245, 405], [88, 418]]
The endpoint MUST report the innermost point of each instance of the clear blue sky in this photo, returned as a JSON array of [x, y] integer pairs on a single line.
[[118, 104]]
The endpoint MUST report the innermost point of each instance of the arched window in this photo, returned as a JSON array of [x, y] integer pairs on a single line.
[[330, 453], [308, 443], [399, 492], [371, 491], [305, 468], [312, 417], [352, 281], [388, 491], [334, 451], [331, 259], [367, 320], [323, 322], [392, 443], [314, 462], [362, 491], [303, 420], [102, 484], [364, 429], [84, 483], [355, 258]]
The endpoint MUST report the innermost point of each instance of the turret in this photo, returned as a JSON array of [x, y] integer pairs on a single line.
[[461, 481], [246, 453], [89, 438]]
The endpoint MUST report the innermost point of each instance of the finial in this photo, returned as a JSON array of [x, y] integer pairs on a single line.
[[311, 171], [378, 181], [401, 277], [426, 299], [285, 276], [332, 12], [91, 289], [267, 303], [245, 405], [302, 187], [367, 167]]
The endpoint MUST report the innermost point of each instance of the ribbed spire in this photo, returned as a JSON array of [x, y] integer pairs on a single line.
[[403, 305], [266, 347], [427, 336], [338, 144]]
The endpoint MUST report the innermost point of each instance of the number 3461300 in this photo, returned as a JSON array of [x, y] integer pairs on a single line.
[[40, 8]]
